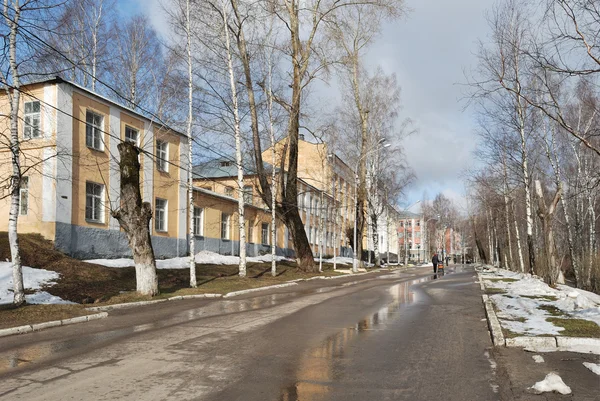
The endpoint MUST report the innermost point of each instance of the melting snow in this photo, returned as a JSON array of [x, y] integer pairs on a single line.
[[538, 359], [33, 279], [520, 308], [552, 382], [202, 257], [594, 367]]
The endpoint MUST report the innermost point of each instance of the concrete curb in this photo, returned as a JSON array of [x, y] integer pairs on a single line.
[[493, 322], [194, 296], [126, 305], [234, 293], [55, 323]]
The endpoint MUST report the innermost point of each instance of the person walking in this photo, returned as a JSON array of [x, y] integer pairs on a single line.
[[435, 260]]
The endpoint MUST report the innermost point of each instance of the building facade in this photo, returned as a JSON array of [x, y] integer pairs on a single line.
[[70, 171]]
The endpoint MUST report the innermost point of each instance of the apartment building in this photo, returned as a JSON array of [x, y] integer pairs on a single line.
[[70, 167], [412, 238]]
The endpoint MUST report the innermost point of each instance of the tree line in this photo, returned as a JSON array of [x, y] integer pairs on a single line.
[[534, 202]]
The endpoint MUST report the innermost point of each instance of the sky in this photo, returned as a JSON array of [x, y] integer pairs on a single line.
[[429, 50]]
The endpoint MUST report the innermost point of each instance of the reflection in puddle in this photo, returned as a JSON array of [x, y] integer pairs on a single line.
[[319, 366]]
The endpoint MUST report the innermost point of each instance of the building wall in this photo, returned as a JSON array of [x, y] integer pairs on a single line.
[[38, 162]]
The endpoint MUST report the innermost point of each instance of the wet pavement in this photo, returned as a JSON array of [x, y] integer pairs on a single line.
[[402, 335]]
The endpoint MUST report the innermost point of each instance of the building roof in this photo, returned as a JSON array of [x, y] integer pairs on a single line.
[[222, 168], [58, 79], [405, 214]]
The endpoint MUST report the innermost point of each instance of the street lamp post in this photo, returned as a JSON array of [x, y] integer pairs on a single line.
[[381, 144]]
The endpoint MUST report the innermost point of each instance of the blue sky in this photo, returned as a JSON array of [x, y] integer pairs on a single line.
[[429, 50]]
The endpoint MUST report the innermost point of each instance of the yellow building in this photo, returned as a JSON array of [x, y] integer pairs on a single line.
[[69, 137], [325, 199]]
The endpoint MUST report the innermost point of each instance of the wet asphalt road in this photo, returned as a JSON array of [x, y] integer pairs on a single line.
[[401, 335]]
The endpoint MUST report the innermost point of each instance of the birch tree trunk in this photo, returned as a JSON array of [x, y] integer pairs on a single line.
[[321, 218], [238, 147], [273, 169], [190, 178], [518, 240], [15, 150], [288, 185], [553, 274], [134, 218]]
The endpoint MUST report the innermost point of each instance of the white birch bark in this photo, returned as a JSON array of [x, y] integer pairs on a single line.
[[238, 147], [190, 178], [336, 221], [273, 169], [518, 240], [15, 184], [321, 217]]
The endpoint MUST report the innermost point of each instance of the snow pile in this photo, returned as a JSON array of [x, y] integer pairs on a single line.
[[594, 367], [521, 307], [202, 257], [340, 260], [538, 359], [552, 382], [33, 279]]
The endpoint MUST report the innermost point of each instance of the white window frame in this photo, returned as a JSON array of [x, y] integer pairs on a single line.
[[264, 234], [128, 138], [161, 222], [225, 226], [96, 131], [94, 202], [32, 121], [162, 156], [229, 191], [198, 219], [24, 196]]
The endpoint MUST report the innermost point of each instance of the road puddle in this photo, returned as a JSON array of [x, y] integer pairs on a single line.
[[320, 366]]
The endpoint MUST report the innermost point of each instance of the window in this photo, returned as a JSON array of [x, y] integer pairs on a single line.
[[225, 164], [250, 231], [401, 224], [418, 223], [93, 130], [160, 215], [31, 128], [229, 191], [225, 221], [248, 195], [300, 201], [418, 234], [162, 156], [310, 235], [94, 197], [198, 221], [24, 196], [317, 212], [264, 234], [132, 135]]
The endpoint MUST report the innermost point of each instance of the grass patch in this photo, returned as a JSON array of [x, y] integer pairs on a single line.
[[541, 297], [552, 310], [576, 327], [506, 280], [31, 314], [515, 319], [494, 290], [510, 334]]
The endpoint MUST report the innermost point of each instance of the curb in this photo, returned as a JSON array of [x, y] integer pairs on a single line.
[[55, 323], [493, 322], [234, 293], [157, 301]]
